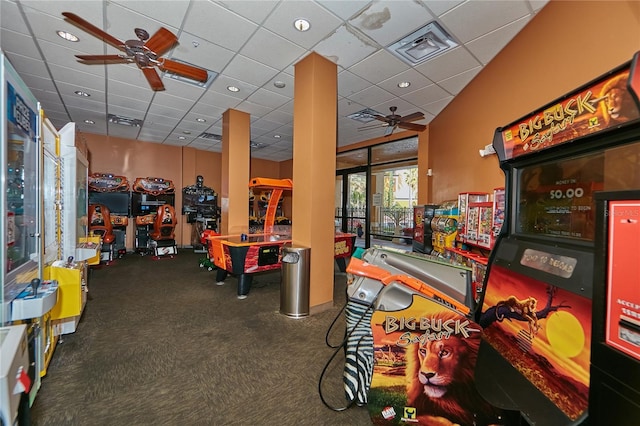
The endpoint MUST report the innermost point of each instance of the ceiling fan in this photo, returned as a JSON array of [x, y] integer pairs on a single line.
[[145, 53], [393, 121]]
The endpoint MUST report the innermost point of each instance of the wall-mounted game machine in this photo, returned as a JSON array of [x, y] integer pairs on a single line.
[[200, 205], [112, 191], [537, 346], [152, 205]]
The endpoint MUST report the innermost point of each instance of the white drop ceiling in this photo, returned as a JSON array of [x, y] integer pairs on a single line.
[[251, 45]]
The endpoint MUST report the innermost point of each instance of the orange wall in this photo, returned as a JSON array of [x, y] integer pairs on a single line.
[[568, 44]]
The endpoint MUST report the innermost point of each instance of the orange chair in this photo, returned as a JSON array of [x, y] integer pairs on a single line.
[[164, 224], [100, 223]]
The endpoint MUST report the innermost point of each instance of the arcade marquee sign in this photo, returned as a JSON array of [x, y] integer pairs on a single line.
[[607, 102]]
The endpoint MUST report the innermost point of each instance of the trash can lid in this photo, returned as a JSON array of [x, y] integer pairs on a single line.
[[290, 258]]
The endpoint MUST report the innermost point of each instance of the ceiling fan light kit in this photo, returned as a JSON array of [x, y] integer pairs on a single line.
[[146, 52]]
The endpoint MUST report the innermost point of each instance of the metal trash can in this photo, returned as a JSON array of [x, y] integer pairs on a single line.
[[294, 287]]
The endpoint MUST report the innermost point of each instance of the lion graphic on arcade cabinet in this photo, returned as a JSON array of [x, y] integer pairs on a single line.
[[440, 383], [617, 104]]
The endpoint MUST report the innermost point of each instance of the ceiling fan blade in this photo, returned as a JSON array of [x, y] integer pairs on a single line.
[[92, 29], [185, 70], [389, 130], [382, 118], [153, 78], [412, 126], [413, 117], [373, 126], [104, 59], [161, 41]]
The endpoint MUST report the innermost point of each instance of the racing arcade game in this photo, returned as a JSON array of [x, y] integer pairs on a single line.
[[536, 351], [152, 205], [112, 191]]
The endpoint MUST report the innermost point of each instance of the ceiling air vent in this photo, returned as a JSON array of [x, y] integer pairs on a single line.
[[423, 44], [124, 121], [211, 75], [210, 136], [364, 116]]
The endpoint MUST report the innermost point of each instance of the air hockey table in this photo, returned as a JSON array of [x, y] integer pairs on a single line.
[[247, 254]]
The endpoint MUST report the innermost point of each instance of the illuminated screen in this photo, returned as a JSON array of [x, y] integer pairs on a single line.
[[556, 199], [202, 204]]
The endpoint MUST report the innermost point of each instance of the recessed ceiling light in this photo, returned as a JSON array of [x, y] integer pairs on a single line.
[[404, 84], [89, 121], [277, 136], [279, 84], [81, 93], [233, 89], [201, 120], [301, 24], [186, 132], [181, 138], [67, 36]]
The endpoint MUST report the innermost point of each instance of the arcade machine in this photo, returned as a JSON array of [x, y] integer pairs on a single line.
[[200, 205], [112, 191], [411, 343], [422, 232], [538, 353], [78, 249], [244, 255], [444, 227], [152, 205], [25, 299]]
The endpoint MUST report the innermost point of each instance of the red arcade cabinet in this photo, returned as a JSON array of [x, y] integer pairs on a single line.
[[560, 336]]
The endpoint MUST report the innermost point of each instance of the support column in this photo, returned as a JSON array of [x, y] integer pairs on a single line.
[[234, 185], [314, 170]]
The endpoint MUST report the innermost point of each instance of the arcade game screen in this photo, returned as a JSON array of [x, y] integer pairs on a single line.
[[117, 202], [556, 199], [203, 204]]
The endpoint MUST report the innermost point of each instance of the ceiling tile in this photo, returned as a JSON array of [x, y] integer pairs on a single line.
[[380, 20], [167, 12], [216, 24], [410, 76], [453, 62], [473, 19], [249, 71], [455, 84], [487, 46], [345, 48], [271, 49], [282, 19], [378, 67], [255, 10]]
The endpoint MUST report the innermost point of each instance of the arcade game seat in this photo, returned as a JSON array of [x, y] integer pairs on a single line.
[[163, 234], [100, 224]]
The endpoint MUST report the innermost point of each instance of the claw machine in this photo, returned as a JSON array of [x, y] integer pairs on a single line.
[[22, 300]]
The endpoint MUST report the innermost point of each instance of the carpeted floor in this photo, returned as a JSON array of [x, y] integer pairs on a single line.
[[160, 344]]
